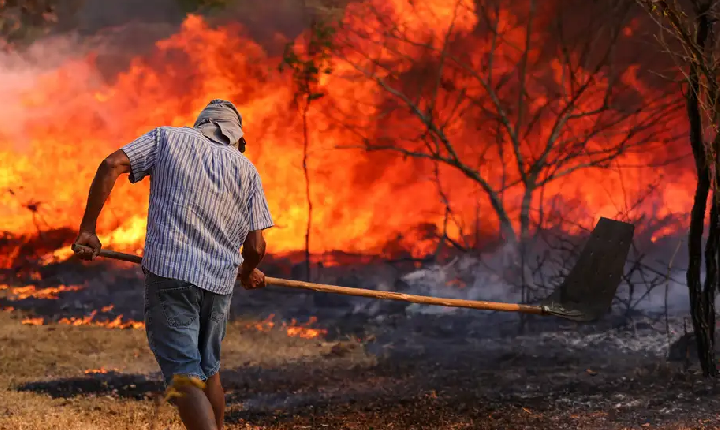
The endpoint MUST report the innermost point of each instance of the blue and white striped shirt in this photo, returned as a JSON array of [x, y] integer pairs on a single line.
[[204, 199]]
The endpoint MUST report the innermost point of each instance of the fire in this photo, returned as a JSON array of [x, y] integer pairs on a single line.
[[293, 329], [31, 291], [33, 321], [51, 293], [100, 371], [132, 232], [115, 323], [66, 119]]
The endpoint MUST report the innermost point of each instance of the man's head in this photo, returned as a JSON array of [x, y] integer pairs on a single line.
[[221, 122]]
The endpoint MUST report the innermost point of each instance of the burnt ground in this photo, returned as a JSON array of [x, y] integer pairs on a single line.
[[380, 366]]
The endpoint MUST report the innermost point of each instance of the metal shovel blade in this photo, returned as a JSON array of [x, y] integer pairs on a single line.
[[588, 291]]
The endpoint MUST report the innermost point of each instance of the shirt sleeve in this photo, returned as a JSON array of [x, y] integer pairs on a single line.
[[142, 153], [260, 218]]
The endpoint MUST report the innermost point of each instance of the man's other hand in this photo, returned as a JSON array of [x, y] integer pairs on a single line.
[[253, 281], [87, 245]]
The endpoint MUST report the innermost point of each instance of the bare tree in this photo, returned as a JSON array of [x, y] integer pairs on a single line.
[[308, 64], [511, 99], [689, 36]]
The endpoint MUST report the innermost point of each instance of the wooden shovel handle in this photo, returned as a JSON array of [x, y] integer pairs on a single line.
[[391, 295], [362, 292]]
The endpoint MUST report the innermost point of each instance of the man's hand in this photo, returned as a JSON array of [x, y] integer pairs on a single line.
[[87, 245], [253, 281]]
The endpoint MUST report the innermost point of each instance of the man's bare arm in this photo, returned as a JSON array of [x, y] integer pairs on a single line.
[[253, 251], [107, 173]]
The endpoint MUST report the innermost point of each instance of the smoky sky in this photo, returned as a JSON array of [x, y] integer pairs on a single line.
[[119, 30], [262, 20]]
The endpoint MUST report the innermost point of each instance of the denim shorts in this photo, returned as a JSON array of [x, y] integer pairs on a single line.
[[185, 326]]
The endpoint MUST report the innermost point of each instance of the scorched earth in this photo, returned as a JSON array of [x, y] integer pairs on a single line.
[[363, 364]]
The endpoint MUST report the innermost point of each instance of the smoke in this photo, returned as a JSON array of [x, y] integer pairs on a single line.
[[135, 25], [95, 15], [491, 277], [116, 32], [20, 72], [100, 39], [465, 278]]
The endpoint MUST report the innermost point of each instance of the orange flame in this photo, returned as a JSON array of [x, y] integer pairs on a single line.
[[90, 320], [33, 321], [362, 199], [293, 329], [117, 322], [100, 370], [31, 291]]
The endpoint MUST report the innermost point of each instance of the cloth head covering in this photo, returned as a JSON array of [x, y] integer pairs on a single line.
[[221, 122]]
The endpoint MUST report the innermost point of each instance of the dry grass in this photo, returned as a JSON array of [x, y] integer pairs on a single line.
[[42, 353]]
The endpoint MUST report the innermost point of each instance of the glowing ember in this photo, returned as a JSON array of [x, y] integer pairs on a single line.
[[100, 370], [457, 283], [293, 329], [33, 321]]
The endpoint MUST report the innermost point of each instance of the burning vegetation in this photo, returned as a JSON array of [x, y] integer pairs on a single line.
[[292, 329], [98, 317], [561, 130], [31, 291]]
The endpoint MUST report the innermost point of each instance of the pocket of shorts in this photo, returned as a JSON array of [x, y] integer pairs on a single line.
[[221, 308], [179, 305]]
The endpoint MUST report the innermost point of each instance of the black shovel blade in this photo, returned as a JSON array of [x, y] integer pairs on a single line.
[[587, 293]]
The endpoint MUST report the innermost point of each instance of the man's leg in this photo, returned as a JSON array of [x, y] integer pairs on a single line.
[[172, 322], [216, 395], [195, 409], [213, 319]]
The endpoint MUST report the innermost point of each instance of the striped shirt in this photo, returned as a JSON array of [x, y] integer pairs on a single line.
[[204, 199]]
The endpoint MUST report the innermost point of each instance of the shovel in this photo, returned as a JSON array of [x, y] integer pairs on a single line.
[[585, 295]]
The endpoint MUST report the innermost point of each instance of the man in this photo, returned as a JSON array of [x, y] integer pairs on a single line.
[[206, 201]]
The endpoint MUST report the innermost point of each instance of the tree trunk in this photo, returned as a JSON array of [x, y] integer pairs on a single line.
[[306, 144], [711, 280], [699, 306], [523, 248]]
